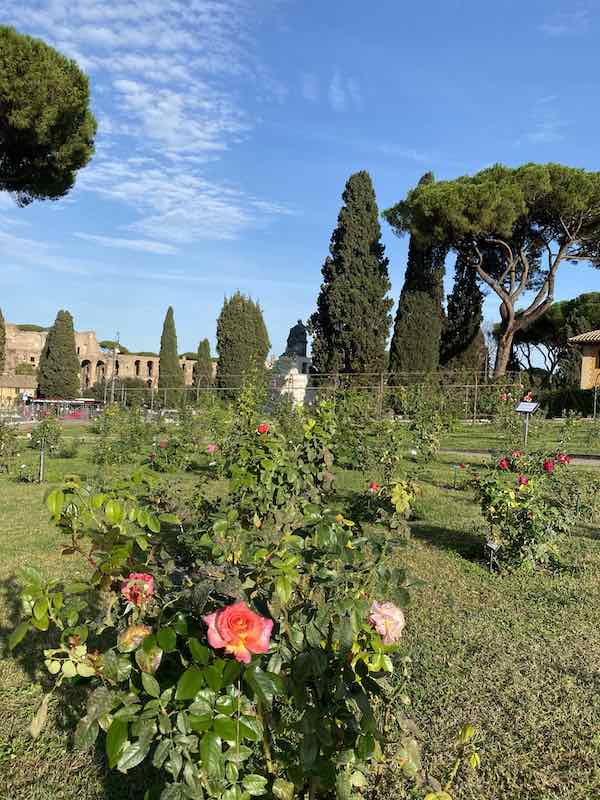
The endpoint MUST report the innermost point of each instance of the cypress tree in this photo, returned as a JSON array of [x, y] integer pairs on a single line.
[[415, 344], [2, 343], [170, 374], [351, 324], [463, 342], [204, 369], [58, 370], [242, 340]]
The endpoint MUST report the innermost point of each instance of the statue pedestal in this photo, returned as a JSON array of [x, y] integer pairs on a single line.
[[294, 377]]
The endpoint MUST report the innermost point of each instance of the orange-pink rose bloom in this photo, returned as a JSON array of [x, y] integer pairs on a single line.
[[388, 620], [239, 630], [137, 587]]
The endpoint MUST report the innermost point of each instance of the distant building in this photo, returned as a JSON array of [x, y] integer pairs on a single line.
[[589, 344], [16, 387], [25, 346]]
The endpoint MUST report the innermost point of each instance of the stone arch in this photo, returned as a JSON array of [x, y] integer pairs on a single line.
[[116, 367], [86, 373], [137, 366], [150, 369], [100, 370]]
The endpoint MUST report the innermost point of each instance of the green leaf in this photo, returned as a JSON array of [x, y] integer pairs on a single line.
[[231, 672], [86, 733], [212, 757], [214, 677], [69, 669], [115, 668], [150, 684], [226, 728], [251, 728], [133, 754], [189, 684], [55, 502], [18, 634], [255, 784], [282, 790], [238, 753], [179, 623], [283, 589], [170, 519], [225, 705], [343, 786], [153, 524], [200, 653], [161, 752], [115, 740], [167, 639], [41, 715], [264, 684], [114, 512]]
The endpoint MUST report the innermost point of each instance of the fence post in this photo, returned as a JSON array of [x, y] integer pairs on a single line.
[[475, 398], [41, 472], [164, 398], [380, 398]]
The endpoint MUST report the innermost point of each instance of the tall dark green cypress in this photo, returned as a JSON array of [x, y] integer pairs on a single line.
[[58, 370], [242, 341], [415, 344], [2, 344], [351, 324], [203, 373], [170, 374], [463, 342]]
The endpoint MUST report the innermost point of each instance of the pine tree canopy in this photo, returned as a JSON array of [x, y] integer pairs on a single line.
[[58, 370], [170, 374], [46, 127], [351, 324]]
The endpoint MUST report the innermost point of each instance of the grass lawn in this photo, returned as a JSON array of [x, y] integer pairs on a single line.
[[544, 434], [518, 657]]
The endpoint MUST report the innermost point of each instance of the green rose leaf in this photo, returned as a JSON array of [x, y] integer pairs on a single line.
[[150, 684], [133, 754], [265, 685], [212, 757], [161, 752], [41, 715], [226, 728], [200, 653], [255, 784], [18, 634], [86, 733], [55, 502], [189, 684], [167, 639], [282, 790], [115, 740]]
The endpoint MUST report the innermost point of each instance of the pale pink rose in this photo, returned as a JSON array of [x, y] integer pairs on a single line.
[[239, 630], [138, 587], [211, 448], [388, 620]]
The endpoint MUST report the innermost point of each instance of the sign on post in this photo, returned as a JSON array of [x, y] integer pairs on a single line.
[[527, 408]]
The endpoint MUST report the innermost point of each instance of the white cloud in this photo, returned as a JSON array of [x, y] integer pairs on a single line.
[[408, 153], [567, 23], [168, 82], [547, 124], [138, 245], [310, 87], [344, 93]]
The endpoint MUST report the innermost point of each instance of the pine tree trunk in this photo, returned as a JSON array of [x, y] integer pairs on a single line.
[[503, 353]]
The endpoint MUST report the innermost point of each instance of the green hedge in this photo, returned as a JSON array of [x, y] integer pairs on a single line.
[[559, 401]]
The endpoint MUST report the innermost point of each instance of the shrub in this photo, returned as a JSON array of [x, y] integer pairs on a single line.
[[46, 435]]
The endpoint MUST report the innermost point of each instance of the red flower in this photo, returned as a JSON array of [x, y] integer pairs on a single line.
[[504, 397], [138, 587], [263, 428], [462, 466], [239, 630], [162, 444], [503, 463], [549, 465], [523, 480], [373, 487], [563, 458], [517, 453], [528, 397]]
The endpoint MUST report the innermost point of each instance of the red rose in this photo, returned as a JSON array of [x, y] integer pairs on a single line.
[[503, 463], [373, 487], [564, 458], [549, 465], [263, 428], [137, 587], [162, 444], [528, 397], [462, 466]]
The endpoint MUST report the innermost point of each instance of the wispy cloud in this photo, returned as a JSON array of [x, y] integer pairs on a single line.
[[344, 93], [547, 125], [310, 87], [567, 23], [138, 245], [169, 83], [408, 153]]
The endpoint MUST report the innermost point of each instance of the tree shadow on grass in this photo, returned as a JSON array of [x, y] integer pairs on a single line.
[[465, 544], [71, 701]]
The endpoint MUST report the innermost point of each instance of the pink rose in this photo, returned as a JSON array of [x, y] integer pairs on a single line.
[[373, 487], [263, 428], [211, 448], [517, 453], [137, 588], [162, 444], [504, 397], [388, 620], [503, 463], [239, 630], [549, 465], [563, 458], [523, 480]]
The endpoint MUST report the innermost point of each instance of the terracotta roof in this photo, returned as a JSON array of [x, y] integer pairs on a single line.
[[591, 337]]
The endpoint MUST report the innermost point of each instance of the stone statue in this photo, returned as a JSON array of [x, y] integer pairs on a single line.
[[297, 341]]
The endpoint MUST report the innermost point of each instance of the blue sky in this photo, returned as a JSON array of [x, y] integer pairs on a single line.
[[229, 127]]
